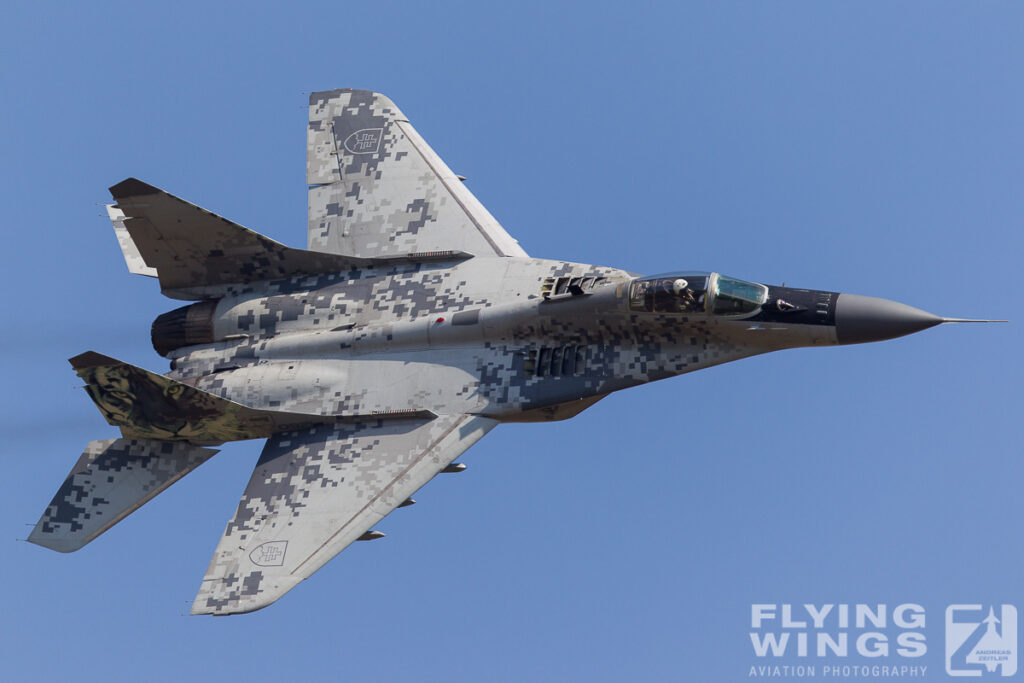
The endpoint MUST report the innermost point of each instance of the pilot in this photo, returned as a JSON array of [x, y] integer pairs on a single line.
[[681, 288]]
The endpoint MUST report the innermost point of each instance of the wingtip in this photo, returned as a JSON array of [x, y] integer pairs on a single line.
[[131, 187], [57, 543], [218, 600]]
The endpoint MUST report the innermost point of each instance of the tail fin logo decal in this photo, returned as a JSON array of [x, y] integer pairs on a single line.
[[365, 141]]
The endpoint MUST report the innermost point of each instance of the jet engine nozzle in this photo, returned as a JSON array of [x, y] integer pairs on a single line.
[[861, 319], [185, 326]]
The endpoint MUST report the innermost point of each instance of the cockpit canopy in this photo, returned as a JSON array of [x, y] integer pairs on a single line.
[[693, 292]]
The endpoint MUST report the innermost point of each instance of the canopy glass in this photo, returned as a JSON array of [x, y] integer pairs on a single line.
[[694, 292]]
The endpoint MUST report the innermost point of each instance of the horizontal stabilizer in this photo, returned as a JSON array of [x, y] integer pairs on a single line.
[[146, 405], [112, 479]]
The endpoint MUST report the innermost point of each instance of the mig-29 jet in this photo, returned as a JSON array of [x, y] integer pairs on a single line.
[[411, 326]]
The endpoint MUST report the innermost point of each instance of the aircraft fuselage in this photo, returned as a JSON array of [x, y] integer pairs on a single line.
[[509, 338]]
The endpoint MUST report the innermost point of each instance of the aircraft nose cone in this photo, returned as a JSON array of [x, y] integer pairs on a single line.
[[862, 319]]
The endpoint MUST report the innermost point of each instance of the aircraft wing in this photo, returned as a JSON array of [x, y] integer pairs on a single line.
[[377, 189], [317, 490]]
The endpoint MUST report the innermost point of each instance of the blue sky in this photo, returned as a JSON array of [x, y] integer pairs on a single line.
[[872, 148]]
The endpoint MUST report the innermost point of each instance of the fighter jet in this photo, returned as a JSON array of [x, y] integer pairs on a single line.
[[410, 326]]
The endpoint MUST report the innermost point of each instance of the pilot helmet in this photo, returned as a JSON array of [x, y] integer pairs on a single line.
[[679, 286]]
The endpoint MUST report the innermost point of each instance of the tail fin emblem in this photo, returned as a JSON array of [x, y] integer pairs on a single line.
[[365, 141]]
